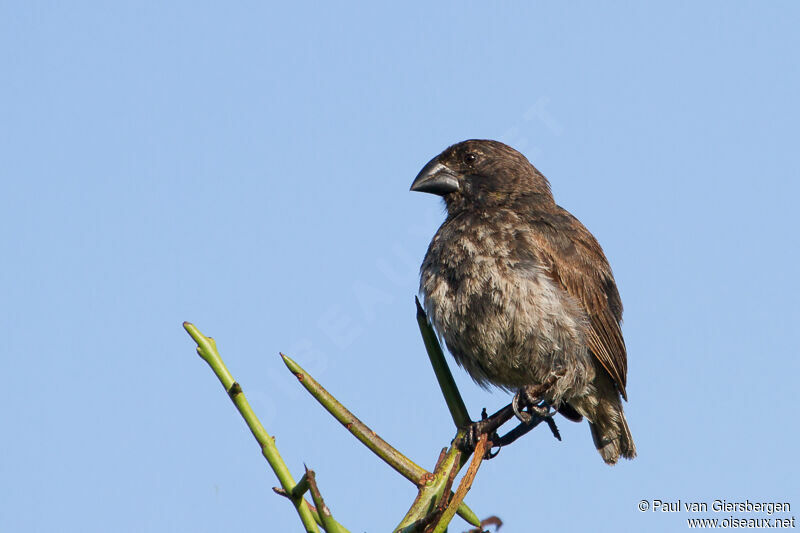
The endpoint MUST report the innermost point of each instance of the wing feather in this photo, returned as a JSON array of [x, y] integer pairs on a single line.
[[574, 258]]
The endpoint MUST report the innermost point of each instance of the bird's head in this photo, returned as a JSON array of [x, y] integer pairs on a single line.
[[482, 173]]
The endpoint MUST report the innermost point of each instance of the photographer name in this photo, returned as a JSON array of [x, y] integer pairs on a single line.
[[720, 506]]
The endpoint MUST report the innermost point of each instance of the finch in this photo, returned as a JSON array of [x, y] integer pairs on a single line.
[[522, 293]]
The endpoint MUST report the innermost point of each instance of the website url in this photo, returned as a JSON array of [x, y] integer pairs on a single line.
[[740, 523]]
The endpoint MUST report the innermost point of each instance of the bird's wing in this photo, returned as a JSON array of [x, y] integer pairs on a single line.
[[574, 258]]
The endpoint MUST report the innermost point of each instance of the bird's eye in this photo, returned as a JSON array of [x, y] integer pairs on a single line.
[[470, 158]]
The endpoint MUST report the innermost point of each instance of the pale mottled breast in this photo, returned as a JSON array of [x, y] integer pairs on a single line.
[[487, 294]]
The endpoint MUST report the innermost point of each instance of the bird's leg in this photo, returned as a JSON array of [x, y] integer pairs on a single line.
[[524, 428], [491, 424]]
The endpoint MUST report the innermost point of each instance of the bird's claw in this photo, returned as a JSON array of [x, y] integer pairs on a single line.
[[528, 399], [523, 417]]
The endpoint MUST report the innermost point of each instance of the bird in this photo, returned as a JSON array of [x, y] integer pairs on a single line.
[[522, 293]]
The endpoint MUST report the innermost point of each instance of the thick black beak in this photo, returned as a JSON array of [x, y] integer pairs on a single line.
[[436, 178]]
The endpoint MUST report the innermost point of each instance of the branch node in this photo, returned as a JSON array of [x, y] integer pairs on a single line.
[[235, 390]]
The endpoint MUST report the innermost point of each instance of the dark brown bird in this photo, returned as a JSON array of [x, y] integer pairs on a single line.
[[522, 293]]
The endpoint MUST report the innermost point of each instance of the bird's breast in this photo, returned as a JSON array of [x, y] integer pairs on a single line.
[[501, 315]]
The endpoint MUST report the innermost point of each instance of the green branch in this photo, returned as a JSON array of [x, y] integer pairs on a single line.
[[430, 494], [443, 375], [207, 349], [435, 503], [328, 523], [405, 466], [402, 464]]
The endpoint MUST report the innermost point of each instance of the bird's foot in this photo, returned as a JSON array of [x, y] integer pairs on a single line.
[[473, 434], [530, 398], [471, 437]]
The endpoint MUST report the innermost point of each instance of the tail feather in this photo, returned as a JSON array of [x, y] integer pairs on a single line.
[[613, 438], [610, 432]]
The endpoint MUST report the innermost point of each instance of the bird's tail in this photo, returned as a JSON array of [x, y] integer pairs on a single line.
[[610, 432], [613, 438]]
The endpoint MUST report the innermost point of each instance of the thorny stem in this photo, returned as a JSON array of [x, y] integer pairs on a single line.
[[328, 523], [402, 464], [369, 438], [207, 349], [431, 510], [280, 492]]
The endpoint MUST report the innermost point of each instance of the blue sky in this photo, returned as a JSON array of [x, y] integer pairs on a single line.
[[246, 167]]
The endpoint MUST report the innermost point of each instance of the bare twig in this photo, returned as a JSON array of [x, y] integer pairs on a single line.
[[466, 483]]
